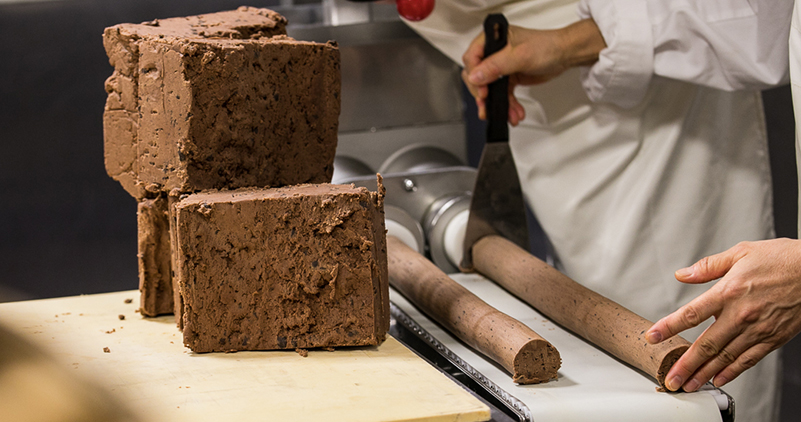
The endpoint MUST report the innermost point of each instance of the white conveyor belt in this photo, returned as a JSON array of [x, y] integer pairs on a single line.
[[592, 385]]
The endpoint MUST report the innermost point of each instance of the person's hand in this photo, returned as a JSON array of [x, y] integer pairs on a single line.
[[756, 305], [530, 57]]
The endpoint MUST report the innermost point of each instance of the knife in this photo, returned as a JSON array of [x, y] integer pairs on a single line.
[[496, 206]]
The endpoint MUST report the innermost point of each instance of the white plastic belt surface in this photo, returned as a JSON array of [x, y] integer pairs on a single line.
[[592, 385]]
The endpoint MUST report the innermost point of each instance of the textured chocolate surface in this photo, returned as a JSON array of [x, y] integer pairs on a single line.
[[223, 100], [155, 275], [178, 303], [595, 318], [295, 267], [528, 357]]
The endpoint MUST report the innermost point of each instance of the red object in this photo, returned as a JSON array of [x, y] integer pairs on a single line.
[[415, 10]]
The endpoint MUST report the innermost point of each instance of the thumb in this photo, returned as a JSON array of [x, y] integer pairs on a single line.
[[709, 268], [492, 68]]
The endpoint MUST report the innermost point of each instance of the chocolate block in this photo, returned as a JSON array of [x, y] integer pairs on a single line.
[[295, 267], [178, 304], [155, 274], [215, 101]]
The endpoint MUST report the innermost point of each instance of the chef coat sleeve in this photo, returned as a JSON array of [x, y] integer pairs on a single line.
[[723, 44]]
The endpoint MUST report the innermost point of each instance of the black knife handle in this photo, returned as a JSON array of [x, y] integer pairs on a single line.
[[496, 31]]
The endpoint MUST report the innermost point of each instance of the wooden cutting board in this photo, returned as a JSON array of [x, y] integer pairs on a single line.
[[150, 370]]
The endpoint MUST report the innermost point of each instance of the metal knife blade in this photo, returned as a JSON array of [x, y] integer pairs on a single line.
[[497, 205]]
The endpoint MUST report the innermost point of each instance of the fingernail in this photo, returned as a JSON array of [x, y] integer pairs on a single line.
[[685, 272], [476, 77], [653, 337], [692, 385], [720, 381], [674, 383]]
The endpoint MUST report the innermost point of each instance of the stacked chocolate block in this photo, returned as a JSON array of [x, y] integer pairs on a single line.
[[209, 116]]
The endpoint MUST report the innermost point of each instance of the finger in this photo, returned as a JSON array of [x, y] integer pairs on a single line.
[[482, 108], [726, 357], [470, 87], [491, 68], [512, 117], [516, 112], [512, 112], [475, 90], [688, 316], [474, 53], [711, 267], [482, 91], [704, 349], [745, 361]]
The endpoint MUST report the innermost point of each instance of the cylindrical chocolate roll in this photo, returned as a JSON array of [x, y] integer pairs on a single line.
[[597, 319], [517, 348]]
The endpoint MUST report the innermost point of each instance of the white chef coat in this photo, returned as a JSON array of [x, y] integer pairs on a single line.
[[724, 44], [656, 173]]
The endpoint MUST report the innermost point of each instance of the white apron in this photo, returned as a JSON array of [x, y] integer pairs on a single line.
[[627, 196]]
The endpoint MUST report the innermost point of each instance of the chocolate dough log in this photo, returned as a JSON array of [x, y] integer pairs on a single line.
[[595, 318], [155, 269], [285, 268], [527, 356]]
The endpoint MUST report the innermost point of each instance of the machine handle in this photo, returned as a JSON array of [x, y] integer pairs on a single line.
[[496, 32]]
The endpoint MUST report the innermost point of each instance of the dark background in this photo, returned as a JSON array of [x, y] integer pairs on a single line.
[[781, 140], [66, 228]]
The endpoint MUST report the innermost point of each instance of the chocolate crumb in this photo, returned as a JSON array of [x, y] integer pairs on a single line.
[[302, 352], [106, 350], [128, 300], [121, 316], [111, 331]]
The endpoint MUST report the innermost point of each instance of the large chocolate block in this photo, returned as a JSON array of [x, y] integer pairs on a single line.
[[294, 267], [216, 101]]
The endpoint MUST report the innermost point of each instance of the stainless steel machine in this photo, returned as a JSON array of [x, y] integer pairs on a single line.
[[403, 116]]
